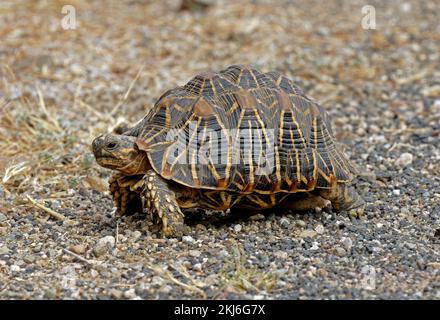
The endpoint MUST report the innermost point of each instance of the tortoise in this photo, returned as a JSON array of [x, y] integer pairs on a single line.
[[237, 138]]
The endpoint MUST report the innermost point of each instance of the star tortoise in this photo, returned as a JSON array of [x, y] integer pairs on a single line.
[[238, 138]]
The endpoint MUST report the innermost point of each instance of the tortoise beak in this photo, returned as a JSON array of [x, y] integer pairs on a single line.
[[98, 146]]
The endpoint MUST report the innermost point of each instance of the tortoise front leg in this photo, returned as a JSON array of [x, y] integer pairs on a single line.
[[126, 201], [160, 200], [345, 197]]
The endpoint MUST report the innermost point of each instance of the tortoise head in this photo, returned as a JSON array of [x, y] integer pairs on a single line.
[[120, 152]]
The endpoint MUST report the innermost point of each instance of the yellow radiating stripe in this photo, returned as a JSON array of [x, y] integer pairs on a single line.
[[234, 107], [315, 165], [190, 139], [229, 155], [255, 78], [251, 162], [193, 158], [327, 147], [281, 128], [298, 167], [266, 137], [315, 132], [257, 200], [278, 167], [167, 117]]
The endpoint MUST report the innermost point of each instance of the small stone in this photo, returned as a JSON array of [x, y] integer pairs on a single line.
[[340, 251], [15, 268], [3, 231], [320, 229], [3, 217], [195, 253], [136, 235], [284, 223], [29, 259], [257, 217], [315, 246], [116, 294], [300, 223], [4, 250], [396, 192], [281, 255], [421, 264], [308, 233], [197, 267], [104, 245], [237, 228], [130, 294], [78, 249], [200, 227], [188, 239], [223, 253], [347, 243], [165, 289], [412, 246], [404, 160]]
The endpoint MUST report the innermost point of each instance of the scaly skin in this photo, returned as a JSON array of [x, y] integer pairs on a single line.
[[126, 201], [160, 200], [344, 197]]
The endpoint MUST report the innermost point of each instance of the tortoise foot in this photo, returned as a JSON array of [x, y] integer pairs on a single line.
[[160, 201]]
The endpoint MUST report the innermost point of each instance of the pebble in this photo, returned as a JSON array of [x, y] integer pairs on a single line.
[[347, 243], [301, 223], [78, 249], [29, 259], [3, 231], [200, 227], [237, 228], [15, 268], [130, 294], [3, 217], [104, 245], [308, 233], [136, 235], [197, 266], [195, 253], [340, 251], [188, 239], [320, 229], [281, 255], [396, 192], [284, 222], [404, 160], [257, 217], [4, 250], [116, 294]]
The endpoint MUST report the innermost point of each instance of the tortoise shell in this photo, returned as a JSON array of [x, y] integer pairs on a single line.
[[243, 131]]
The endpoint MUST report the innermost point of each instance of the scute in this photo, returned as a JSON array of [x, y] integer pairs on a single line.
[[292, 133]]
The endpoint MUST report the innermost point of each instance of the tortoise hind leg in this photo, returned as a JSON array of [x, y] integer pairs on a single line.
[[304, 202], [160, 200], [344, 197]]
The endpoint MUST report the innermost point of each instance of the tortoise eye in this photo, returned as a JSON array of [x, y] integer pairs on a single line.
[[111, 145]]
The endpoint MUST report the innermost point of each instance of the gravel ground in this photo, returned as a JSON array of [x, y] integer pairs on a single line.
[[60, 88]]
